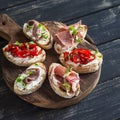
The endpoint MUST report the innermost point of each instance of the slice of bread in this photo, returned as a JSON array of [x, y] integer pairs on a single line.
[[84, 68], [21, 88], [38, 33], [55, 86], [27, 61]]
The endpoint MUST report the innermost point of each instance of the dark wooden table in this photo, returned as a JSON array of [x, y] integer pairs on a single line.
[[103, 20]]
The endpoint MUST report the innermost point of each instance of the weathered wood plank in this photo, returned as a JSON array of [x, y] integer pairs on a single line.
[[102, 104], [102, 26], [111, 63], [70, 9], [4, 4]]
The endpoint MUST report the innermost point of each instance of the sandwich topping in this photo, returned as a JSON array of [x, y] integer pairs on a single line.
[[23, 50], [37, 31], [66, 80], [79, 55], [29, 78], [71, 36]]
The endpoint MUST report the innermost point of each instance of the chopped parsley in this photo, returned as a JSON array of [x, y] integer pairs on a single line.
[[29, 26], [39, 25], [19, 79], [66, 85], [67, 70], [36, 64], [30, 72], [18, 43], [97, 51], [79, 40], [38, 34], [73, 30], [31, 42], [44, 35]]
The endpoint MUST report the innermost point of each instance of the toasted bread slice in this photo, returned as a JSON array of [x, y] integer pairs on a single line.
[[31, 79], [84, 68], [57, 85], [23, 61], [38, 33]]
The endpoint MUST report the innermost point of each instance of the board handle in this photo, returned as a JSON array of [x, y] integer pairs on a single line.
[[10, 30]]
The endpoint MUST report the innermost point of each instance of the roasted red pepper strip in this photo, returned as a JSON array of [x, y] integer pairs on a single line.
[[80, 55], [23, 50]]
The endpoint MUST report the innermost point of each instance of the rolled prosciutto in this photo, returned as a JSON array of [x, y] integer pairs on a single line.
[[31, 79], [70, 36], [64, 81]]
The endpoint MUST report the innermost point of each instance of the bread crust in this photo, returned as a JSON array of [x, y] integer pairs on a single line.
[[24, 61], [88, 68], [36, 87], [56, 89], [46, 46]]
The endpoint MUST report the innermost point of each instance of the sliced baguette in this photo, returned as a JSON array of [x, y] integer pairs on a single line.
[[84, 68], [24, 61], [22, 89], [56, 88], [45, 43]]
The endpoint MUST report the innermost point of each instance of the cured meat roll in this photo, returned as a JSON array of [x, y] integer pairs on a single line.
[[69, 37], [31, 79], [24, 54], [82, 60], [64, 81], [38, 33]]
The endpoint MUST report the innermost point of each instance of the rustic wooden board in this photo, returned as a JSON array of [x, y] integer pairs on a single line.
[[44, 97]]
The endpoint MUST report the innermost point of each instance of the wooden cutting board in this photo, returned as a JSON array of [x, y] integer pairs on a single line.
[[45, 96]]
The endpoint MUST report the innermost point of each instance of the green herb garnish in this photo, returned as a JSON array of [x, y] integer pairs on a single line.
[[30, 72], [44, 35], [24, 85], [43, 28], [18, 43], [39, 25], [79, 40], [97, 51], [19, 79], [36, 64], [38, 34], [31, 42], [67, 70], [73, 30], [66, 85], [30, 26]]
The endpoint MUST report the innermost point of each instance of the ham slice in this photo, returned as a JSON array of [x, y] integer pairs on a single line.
[[60, 72], [33, 75], [64, 37], [64, 82]]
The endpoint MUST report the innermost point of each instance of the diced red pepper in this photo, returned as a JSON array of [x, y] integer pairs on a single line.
[[23, 50], [79, 55]]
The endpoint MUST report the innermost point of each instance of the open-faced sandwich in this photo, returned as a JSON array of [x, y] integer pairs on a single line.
[[82, 60], [69, 37], [24, 54], [38, 33], [64, 81], [31, 79]]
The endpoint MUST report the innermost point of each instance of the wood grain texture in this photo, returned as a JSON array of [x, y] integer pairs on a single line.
[[51, 8], [102, 104], [102, 25], [11, 3], [44, 97]]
